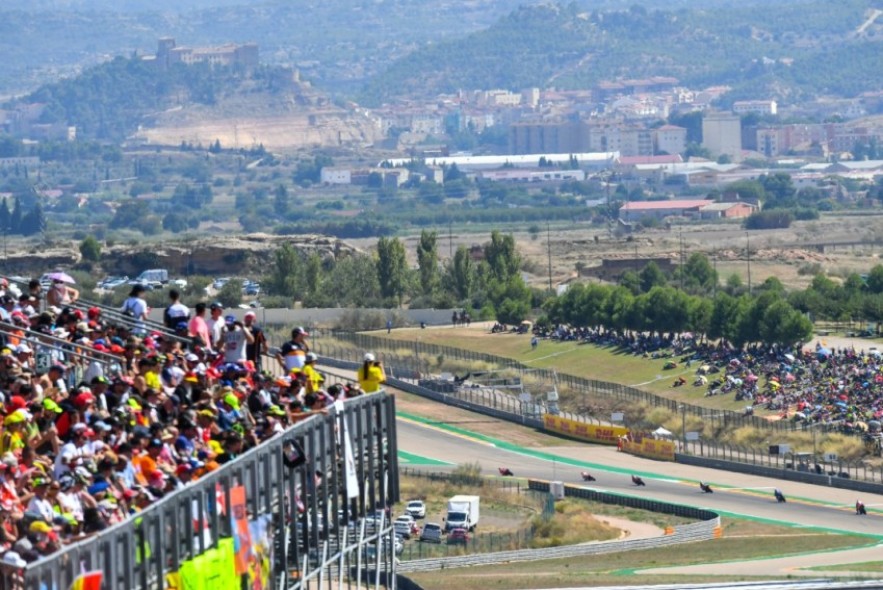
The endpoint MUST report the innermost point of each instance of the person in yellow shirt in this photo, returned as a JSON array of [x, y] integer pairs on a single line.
[[370, 374], [314, 378]]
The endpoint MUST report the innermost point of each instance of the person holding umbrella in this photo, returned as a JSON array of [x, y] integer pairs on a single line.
[[60, 293]]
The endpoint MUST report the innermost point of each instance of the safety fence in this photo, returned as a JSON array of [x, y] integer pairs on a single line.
[[707, 528], [848, 475], [411, 360], [295, 511]]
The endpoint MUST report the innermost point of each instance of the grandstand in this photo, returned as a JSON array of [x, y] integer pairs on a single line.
[[131, 453]]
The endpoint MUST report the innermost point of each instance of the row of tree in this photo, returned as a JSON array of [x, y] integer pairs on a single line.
[[764, 317], [489, 280], [21, 222]]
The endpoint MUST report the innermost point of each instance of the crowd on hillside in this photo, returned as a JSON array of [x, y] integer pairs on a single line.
[[102, 412], [840, 388]]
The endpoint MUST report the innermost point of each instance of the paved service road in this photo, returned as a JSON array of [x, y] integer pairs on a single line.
[[734, 494]]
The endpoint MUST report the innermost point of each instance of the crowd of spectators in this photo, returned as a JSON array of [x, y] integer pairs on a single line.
[[101, 414], [838, 388]]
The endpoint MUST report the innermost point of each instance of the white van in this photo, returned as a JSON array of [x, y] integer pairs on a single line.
[[154, 277]]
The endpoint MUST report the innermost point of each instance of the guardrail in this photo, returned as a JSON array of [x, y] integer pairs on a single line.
[[707, 529], [315, 514]]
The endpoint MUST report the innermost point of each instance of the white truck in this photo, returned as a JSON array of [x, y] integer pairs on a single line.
[[462, 513]]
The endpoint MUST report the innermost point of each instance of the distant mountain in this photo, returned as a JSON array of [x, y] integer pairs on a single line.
[[788, 50], [335, 42], [120, 6]]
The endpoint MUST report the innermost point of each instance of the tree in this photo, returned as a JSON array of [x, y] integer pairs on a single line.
[[461, 274], [230, 294], [501, 256], [90, 249], [651, 276], [287, 266], [34, 222], [427, 260], [699, 275], [280, 200], [15, 217], [874, 281], [392, 269]]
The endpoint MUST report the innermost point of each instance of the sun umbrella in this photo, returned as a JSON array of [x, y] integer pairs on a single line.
[[751, 377], [60, 276], [790, 357], [789, 377]]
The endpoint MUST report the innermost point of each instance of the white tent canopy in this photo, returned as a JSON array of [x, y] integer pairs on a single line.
[[662, 432]]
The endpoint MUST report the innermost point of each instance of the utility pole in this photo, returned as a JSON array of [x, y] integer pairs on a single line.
[[450, 242], [748, 253], [549, 251], [681, 257]]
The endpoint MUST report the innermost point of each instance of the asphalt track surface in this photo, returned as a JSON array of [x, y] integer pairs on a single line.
[[809, 507]]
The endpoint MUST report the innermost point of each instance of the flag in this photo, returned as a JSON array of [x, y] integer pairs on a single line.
[[88, 581]]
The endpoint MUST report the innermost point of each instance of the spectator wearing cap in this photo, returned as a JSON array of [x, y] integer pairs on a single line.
[[215, 325], [39, 503], [371, 375], [255, 350], [293, 353], [176, 312], [229, 409], [78, 448], [314, 379], [24, 355], [235, 337], [14, 432], [43, 436], [184, 473], [7, 304]]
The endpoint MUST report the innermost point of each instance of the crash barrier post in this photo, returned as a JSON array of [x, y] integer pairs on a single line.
[[298, 510]]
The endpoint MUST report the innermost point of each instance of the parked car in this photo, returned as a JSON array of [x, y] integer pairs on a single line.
[[403, 527], [431, 533], [253, 289], [458, 537], [112, 282], [154, 277], [416, 508], [219, 283]]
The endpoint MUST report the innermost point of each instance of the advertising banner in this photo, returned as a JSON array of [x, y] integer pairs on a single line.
[[663, 450], [608, 435], [241, 531]]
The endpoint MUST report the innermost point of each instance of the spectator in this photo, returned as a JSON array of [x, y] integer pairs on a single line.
[[176, 312], [198, 328], [236, 336], [215, 325], [255, 350], [61, 294], [293, 353], [136, 307], [371, 375]]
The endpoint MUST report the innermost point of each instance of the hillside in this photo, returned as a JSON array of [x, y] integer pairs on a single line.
[[786, 50], [334, 42]]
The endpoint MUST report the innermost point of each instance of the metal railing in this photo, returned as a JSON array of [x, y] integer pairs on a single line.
[[315, 542]]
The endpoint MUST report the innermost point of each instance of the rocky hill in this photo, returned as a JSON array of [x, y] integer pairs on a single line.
[[217, 255]]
